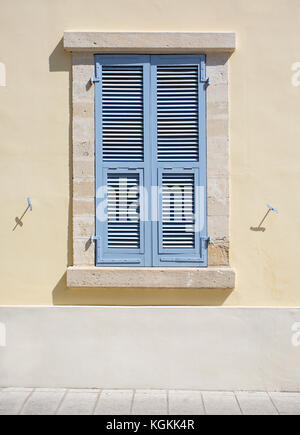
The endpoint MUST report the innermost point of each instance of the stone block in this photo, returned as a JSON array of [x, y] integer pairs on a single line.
[[83, 251], [83, 226]]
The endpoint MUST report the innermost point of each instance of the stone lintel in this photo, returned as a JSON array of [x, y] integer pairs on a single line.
[[149, 42]]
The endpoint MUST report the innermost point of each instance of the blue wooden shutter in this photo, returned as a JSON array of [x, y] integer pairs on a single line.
[[122, 159], [178, 113]]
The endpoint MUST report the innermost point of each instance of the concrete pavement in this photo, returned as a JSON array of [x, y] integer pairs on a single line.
[[35, 401]]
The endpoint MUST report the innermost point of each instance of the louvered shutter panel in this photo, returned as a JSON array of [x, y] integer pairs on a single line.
[[122, 113], [122, 150], [179, 159]]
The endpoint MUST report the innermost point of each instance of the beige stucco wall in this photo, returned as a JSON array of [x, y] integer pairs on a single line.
[[36, 141]]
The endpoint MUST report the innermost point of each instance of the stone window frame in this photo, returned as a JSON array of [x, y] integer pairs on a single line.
[[218, 47]]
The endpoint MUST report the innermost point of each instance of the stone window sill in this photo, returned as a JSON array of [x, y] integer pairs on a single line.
[[212, 277]]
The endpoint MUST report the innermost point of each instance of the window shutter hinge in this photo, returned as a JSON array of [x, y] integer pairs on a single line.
[[94, 80], [96, 239], [205, 81], [205, 241]]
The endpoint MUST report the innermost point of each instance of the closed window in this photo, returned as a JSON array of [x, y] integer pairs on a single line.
[[150, 136]]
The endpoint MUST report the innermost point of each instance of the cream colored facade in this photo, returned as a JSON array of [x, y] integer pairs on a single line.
[[36, 144]]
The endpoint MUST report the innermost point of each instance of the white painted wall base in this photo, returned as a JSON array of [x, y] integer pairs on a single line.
[[207, 348]]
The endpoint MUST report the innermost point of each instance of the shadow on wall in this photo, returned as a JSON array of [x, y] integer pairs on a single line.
[[62, 295], [60, 60]]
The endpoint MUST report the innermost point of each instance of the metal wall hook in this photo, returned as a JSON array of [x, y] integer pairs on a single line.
[[18, 220], [260, 228], [272, 208], [29, 204]]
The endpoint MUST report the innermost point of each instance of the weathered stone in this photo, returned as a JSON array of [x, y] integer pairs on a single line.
[[217, 227], [217, 127], [83, 168], [83, 226], [83, 251], [83, 90], [147, 277], [83, 110], [217, 158], [217, 93], [217, 196], [146, 42], [218, 255], [83, 129], [85, 207], [217, 110], [83, 150], [217, 68], [84, 189]]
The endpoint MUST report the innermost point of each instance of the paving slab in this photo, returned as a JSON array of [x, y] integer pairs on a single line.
[[114, 402], [185, 402], [84, 390], [220, 403], [286, 403], [256, 403], [55, 390], [43, 403], [11, 402], [150, 402], [78, 403], [17, 389]]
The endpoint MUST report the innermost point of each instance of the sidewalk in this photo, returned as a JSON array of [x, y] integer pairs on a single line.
[[95, 401]]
